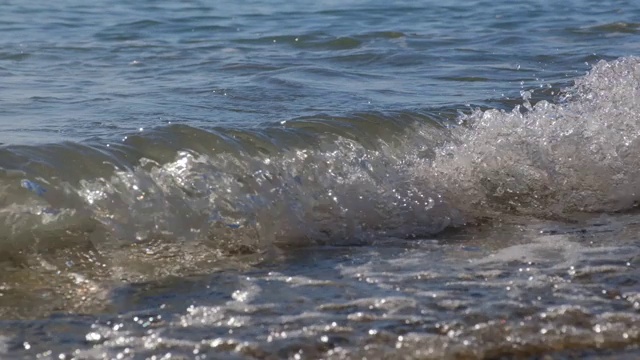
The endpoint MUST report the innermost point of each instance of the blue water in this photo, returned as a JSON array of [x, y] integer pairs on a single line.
[[73, 71], [326, 179]]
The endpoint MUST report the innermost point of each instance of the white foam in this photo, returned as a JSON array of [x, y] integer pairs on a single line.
[[578, 155]]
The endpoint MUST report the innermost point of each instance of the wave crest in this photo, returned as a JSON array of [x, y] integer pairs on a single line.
[[550, 159]]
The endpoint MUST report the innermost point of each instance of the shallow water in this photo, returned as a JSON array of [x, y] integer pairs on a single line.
[[326, 180], [522, 289]]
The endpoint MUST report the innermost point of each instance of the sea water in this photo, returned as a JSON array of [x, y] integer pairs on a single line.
[[326, 179]]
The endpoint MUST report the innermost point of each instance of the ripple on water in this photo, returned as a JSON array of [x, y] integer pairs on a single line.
[[508, 298]]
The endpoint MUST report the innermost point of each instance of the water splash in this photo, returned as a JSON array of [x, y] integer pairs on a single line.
[[549, 159]]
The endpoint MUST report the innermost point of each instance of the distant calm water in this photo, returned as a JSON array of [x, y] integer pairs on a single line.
[[319, 179]]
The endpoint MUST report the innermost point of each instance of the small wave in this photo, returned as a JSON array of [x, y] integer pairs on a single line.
[[612, 28], [329, 180]]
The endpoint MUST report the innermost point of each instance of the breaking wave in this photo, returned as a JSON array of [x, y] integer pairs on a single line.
[[331, 180]]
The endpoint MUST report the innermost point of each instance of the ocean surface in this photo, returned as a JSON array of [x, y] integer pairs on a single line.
[[320, 179]]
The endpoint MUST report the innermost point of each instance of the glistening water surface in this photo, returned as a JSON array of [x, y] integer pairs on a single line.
[[342, 180]]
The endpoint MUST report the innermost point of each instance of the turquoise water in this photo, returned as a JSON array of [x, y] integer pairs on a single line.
[[450, 179]]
